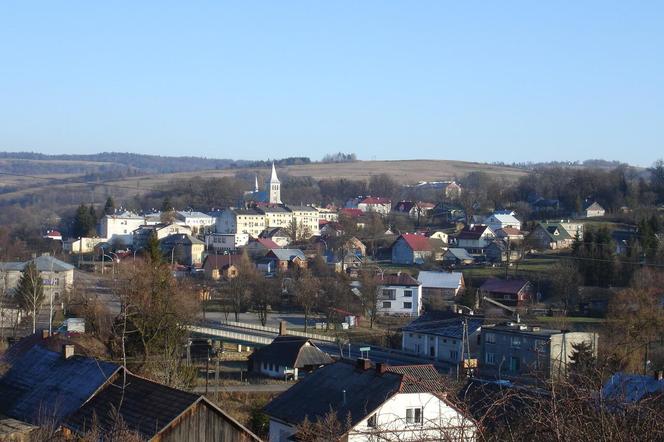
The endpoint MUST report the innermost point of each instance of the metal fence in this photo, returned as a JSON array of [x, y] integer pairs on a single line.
[[314, 336]]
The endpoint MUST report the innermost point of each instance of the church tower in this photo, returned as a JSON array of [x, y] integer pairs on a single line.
[[274, 188]]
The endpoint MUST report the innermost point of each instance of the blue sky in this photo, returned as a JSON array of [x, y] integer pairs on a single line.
[[479, 81]]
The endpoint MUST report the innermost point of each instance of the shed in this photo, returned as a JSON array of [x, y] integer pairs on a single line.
[[286, 356]]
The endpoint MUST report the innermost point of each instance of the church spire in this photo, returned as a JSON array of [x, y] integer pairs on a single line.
[[273, 177]]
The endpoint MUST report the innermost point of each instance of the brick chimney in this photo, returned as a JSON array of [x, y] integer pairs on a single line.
[[381, 367], [283, 331], [67, 351], [45, 334], [363, 364]]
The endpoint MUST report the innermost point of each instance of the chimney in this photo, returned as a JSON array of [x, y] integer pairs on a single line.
[[282, 328], [67, 351], [381, 367], [363, 364], [45, 334]]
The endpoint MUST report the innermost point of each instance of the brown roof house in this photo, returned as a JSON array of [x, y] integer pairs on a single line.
[[221, 266], [510, 292]]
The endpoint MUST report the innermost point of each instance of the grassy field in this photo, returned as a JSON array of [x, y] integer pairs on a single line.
[[410, 171], [406, 172]]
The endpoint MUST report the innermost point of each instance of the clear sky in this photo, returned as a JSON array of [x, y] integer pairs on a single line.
[[479, 81]]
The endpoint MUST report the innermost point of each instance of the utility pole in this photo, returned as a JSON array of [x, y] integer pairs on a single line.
[[207, 370]]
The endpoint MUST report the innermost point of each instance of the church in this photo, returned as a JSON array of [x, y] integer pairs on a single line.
[[271, 194]]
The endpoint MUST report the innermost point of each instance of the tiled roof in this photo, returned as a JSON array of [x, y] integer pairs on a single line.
[[508, 231], [43, 383], [365, 390], [418, 243], [474, 232], [219, 261], [375, 200], [267, 243], [509, 286], [399, 279]]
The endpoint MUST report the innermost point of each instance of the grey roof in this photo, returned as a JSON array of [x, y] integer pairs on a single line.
[[301, 208], [440, 280], [273, 209], [181, 238], [447, 324], [287, 254], [188, 214], [43, 383], [365, 390], [147, 407], [44, 263], [629, 388], [291, 351], [550, 229], [459, 253]]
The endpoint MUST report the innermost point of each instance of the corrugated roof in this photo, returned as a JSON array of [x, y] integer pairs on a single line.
[[447, 324], [440, 280], [418, 243], [42, 384]]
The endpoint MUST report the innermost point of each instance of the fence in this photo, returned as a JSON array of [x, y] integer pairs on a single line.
[[262, 328]]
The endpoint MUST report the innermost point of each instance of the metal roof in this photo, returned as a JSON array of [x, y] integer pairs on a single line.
[[44, 263], [447, 324], [440, 280], [291, 351]]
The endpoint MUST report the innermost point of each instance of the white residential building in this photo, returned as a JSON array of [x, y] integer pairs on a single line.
[[440, 335], [399, 294], [198, 222], [502, 220], [119, 227], [226, 242], [249, 221], [405, 403]]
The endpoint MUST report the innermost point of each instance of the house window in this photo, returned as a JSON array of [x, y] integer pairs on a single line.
[[515, 363], [389, 294], [371, 422], [413, 415], [408, 305], [490, 359], [387, 304], [515, 342], [454, 355], [408, 293], [490, 338]]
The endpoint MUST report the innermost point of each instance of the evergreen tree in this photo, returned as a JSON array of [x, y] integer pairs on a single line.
[[30, 292], [582, 364], [84, 221], [109, 207], [153, 250]]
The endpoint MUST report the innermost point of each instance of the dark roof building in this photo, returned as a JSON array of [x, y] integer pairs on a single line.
[[286, 356], [511, 292], [156, 412], [43, 384], [359, 393]]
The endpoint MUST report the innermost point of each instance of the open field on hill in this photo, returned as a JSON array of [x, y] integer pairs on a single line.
[[406, 172]]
